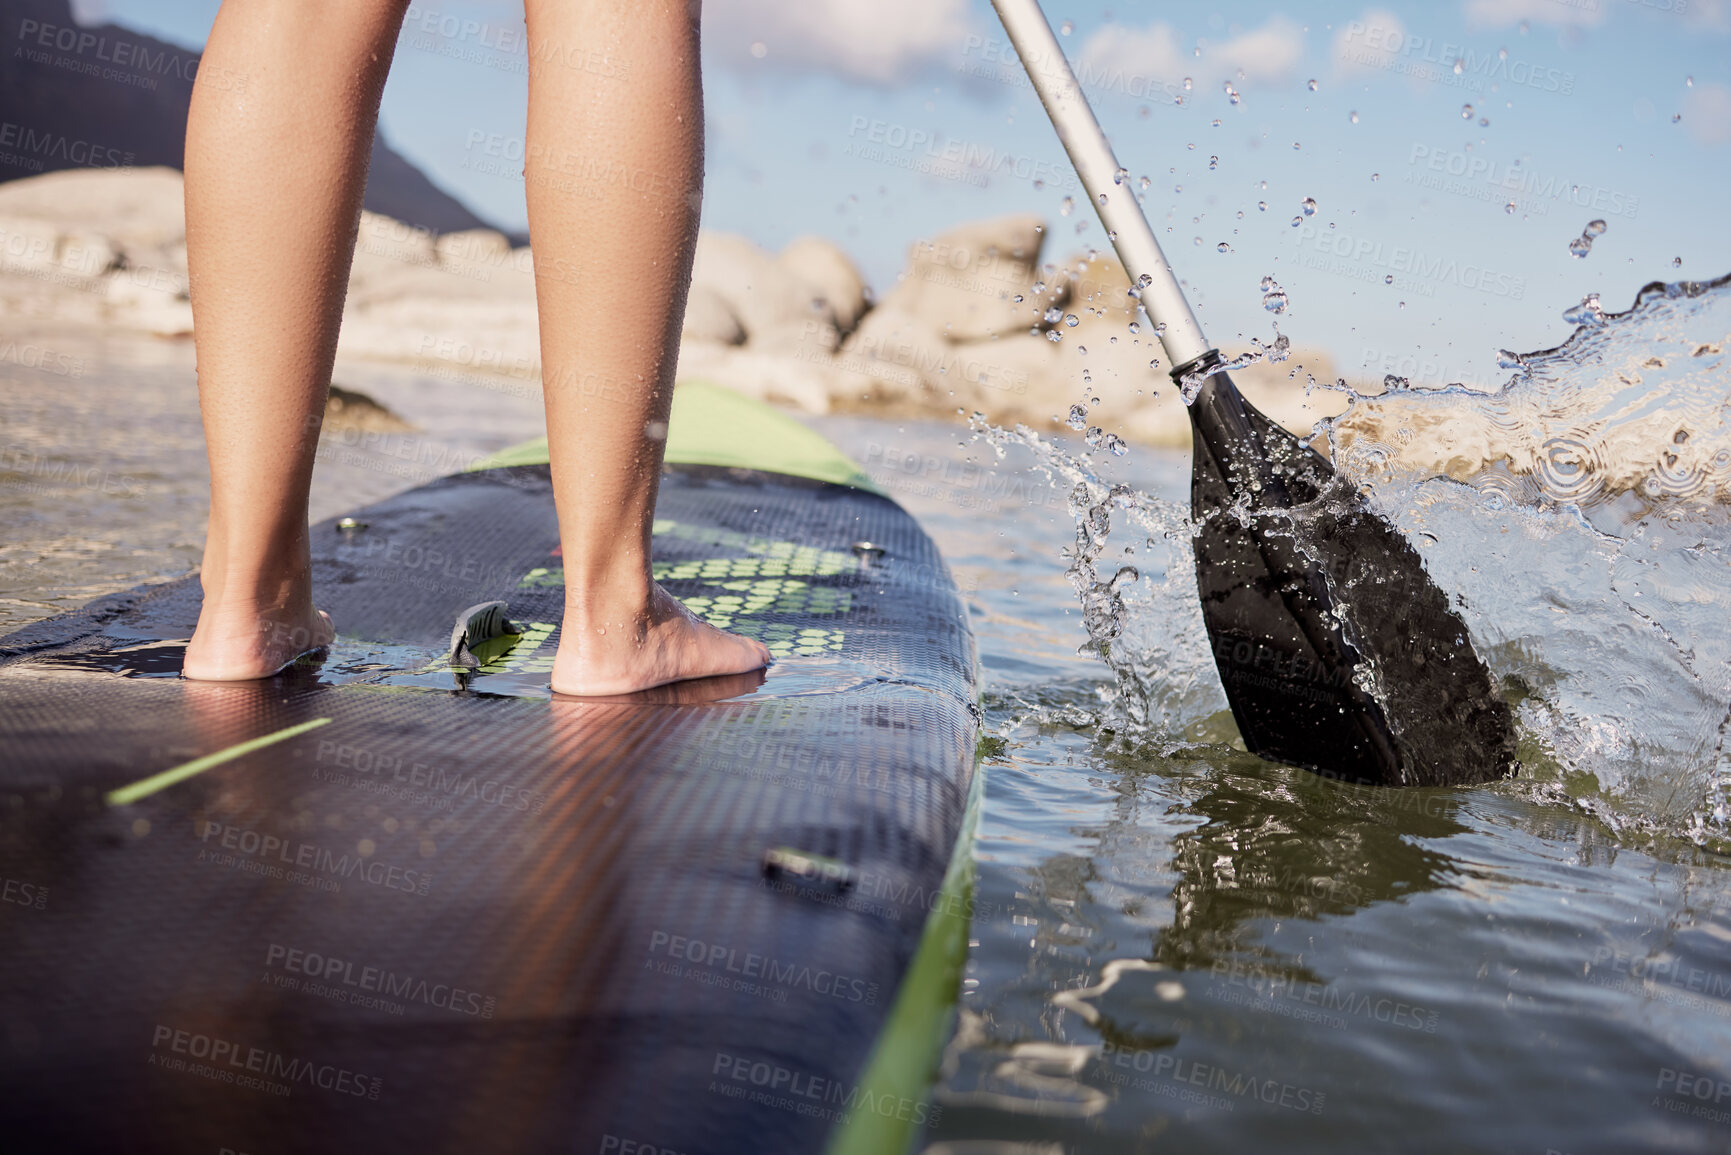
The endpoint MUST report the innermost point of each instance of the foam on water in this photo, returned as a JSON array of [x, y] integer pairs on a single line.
[[1580, 518]]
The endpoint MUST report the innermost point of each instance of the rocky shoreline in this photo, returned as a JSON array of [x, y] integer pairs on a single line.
[[981, 318]]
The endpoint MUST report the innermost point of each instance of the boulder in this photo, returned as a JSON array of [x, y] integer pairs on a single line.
[[708, 318], [831, 275], [777, 309], [966, 280]]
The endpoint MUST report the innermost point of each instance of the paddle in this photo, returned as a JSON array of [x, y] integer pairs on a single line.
[[1337, 651]]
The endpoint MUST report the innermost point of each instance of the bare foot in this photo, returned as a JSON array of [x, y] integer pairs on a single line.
[[666, 643], [235, 643]]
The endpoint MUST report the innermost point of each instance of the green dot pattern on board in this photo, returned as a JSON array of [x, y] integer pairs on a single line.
[[526, 656], [733, 593], [765, 558]]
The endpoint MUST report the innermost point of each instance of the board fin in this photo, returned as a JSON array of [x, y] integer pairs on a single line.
[[475, 636]]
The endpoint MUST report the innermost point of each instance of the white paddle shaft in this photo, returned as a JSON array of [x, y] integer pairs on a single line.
[[1091, 153]]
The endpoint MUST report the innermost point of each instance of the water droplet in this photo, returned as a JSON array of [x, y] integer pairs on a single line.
[[1510, 207], [1311, 86], [1018, 298], [1392, 383], [1054, 335], [1231, 92], [1143, 182], [1262, 206], [1594, 229], [1688, 82], [1039, 287], [1121, 176], [1078, 418], [1082, 351], [1215, 123], [1296, 221], [1071, 320], [1353, 116], [1145, 280], [1135, 328], [1066, 28], [1223, 247], [1053, 315], [1580, 247], [1466, 112], [1296, 146], [1508, 360], [1676, 262], [1119, 447], [1186, 84], [1102, 198], [1066, 206], [1213, 163], [1093, 436], [1376, 176], [1308, 204], [1484, 122], [1388, 280], [1273, 296], [1460, 66]]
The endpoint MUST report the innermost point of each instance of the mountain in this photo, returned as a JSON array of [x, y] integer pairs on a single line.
[[103, 96]]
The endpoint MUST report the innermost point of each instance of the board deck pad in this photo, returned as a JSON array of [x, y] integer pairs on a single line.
[[405, 917]]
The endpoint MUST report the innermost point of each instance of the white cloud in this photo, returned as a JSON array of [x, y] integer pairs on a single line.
[[1269, 54], [1707, 113], [1714, 15], [1370, 43], [880, 42], [1553, 13]]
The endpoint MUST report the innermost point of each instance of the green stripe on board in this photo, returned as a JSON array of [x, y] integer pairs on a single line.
[[904, 1063], [143, 788], [712, 425]]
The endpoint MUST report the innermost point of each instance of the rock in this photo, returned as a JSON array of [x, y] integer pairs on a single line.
[[813, 385], [351, 410], [137, 208], [968, 277], [777, 310], [474, 250], [911, 367], [831, 275], [708, 319]]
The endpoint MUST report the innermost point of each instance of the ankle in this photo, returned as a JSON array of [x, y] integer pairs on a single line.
[[608, 596]]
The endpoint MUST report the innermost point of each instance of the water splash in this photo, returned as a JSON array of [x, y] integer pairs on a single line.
[[1141, 613], [1580, 515], [1582, 512]]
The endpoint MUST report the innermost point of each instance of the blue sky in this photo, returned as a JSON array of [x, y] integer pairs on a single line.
[[879, 123]]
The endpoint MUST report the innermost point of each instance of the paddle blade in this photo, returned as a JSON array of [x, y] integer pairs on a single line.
[[1337, 651]]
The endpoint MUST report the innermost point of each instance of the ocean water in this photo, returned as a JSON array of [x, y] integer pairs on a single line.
[[1176, 945]]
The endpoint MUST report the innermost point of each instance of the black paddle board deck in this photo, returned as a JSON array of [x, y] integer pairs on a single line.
[[354, 908]]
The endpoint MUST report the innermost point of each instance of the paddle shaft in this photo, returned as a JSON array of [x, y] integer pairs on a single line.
[[1218, 412], [1091, 153], [1218, 409]]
